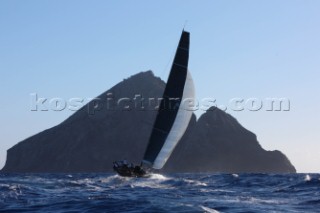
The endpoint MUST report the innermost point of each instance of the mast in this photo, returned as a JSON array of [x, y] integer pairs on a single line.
[[172, 120]]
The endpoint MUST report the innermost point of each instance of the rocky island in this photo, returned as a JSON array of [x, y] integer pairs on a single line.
[[107, 129]]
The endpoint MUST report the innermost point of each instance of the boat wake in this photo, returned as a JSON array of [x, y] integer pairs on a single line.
[[160, 177]]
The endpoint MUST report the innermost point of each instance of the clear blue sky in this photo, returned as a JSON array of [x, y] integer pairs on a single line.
[[241, 49]]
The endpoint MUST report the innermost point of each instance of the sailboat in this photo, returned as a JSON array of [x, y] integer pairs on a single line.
[[172, 118]]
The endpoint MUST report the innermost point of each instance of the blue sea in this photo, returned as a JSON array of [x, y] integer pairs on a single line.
[[160, 193]]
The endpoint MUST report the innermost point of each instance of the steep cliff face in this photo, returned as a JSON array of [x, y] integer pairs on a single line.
[[117, 125], [218, 143]]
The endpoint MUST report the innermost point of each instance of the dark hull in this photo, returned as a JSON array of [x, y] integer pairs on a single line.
[[126, 170]]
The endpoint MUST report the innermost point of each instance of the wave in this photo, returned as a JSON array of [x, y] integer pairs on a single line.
[[160, 193], [209, 210], [161, 177], [194, 182]]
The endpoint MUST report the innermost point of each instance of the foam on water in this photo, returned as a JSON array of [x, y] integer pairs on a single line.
[[156, 181], [160, 177], [160, 193], [307, 178], [109, 179], [195, 182], [235, 175], [208, 210]]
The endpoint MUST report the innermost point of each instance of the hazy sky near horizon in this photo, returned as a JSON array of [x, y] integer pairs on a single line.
[[239, 49]]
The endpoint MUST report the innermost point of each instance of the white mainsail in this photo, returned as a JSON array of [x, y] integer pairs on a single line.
[[179, 126], [171, 123]]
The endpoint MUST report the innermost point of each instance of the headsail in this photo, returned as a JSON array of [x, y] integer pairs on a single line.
[[172, 119]]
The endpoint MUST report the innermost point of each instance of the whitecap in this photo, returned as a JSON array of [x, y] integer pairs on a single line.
[[111, 178], [245, 199], [153, 181], [307, 178], [209, 210], [235, 175], [158, 177], [264, 201], [85, 182], [195, 182], [148, 184], [223, 190]]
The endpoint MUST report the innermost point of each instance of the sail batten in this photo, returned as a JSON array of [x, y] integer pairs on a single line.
[[172, 120], [180, 65]]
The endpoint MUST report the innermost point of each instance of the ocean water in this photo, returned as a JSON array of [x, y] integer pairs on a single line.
[[160, 193]]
